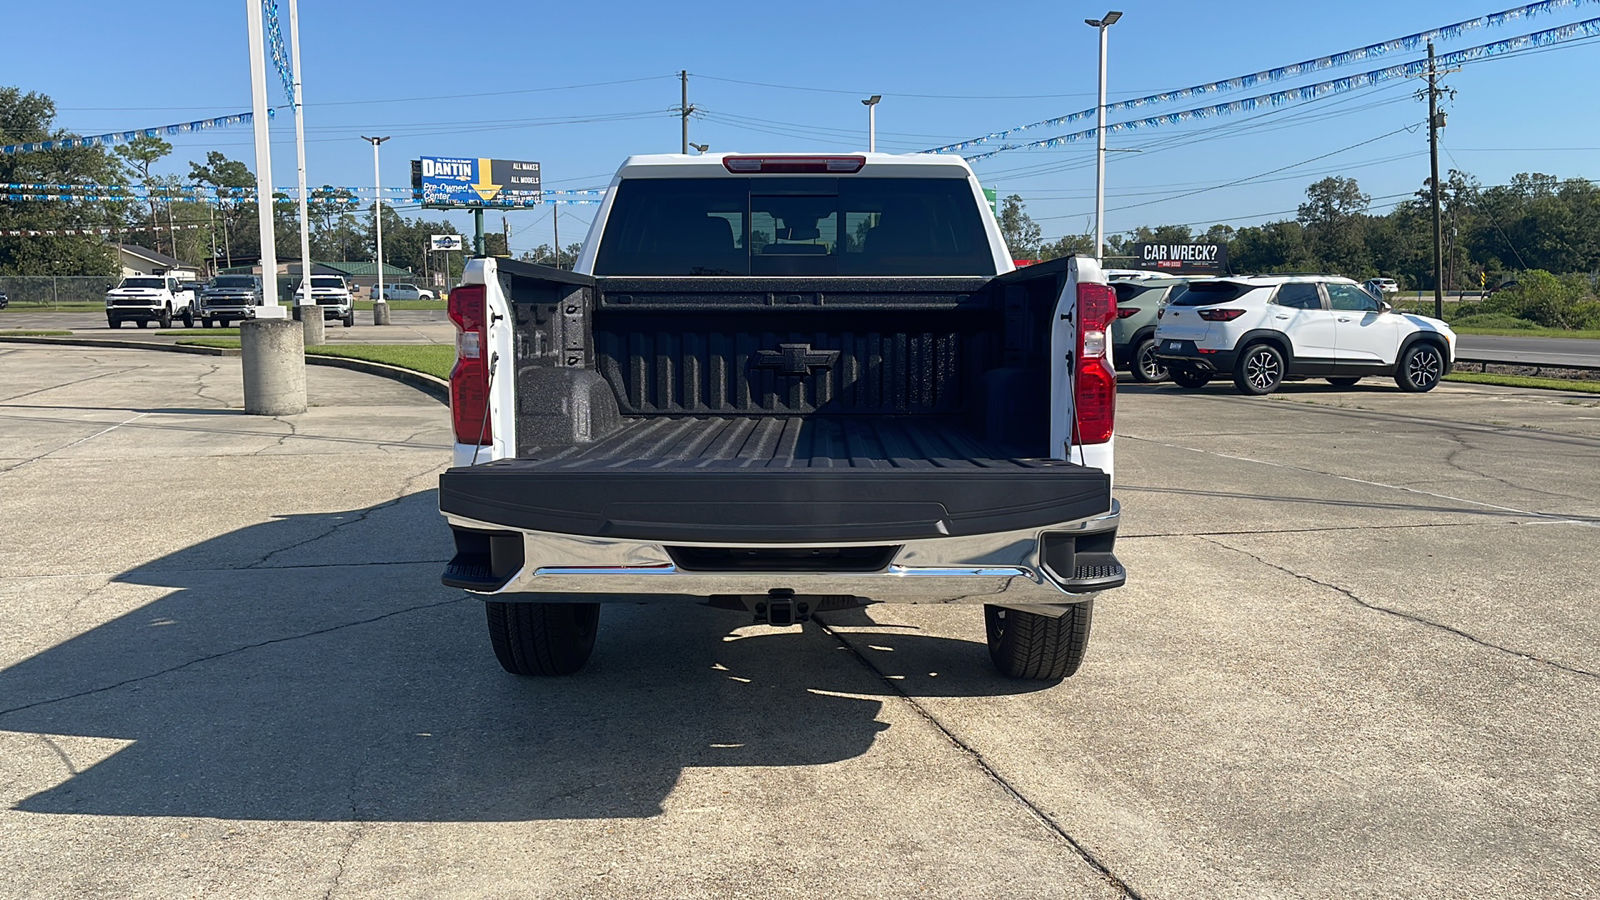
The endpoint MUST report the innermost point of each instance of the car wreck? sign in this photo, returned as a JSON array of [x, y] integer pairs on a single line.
[[1182, 259]]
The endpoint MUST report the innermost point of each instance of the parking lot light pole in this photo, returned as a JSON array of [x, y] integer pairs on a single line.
[[380, 306], [1100, 141], [871, 103]]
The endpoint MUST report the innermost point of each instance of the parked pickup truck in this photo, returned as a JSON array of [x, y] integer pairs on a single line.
[[331, 295], [229, 299], [143, 299], [787, 385]]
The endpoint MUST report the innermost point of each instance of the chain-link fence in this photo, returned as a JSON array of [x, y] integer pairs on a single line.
[[53, 291]]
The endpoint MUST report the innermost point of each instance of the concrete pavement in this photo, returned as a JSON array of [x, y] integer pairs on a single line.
[[1357, 656], [407, 326]]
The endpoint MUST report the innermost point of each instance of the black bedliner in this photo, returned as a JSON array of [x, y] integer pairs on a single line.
[[777, 480]]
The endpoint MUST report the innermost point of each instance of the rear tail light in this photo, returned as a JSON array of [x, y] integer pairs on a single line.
[[1220, 315], [1095, 392], [1124, 312], [767, 165], [469, 380]]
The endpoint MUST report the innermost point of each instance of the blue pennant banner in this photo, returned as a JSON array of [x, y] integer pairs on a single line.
[[1575, 31], [1348, 57], [122, 137], [280, 56]]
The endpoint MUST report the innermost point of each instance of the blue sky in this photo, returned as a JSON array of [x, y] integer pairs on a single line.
[[790, 77]]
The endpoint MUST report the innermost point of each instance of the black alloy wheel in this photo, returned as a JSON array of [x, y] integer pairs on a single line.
[[1146, 368], [1259, 370], [1420, 369]]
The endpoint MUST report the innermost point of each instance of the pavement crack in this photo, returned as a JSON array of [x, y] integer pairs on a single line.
[[233, 652], [69, 446], [55, 387], [405, 491], [977, 758], [344, 855], [1320, 529], [1411, 617]]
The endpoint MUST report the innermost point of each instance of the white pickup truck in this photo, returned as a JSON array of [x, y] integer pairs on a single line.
[[785, 384], [143, 299]]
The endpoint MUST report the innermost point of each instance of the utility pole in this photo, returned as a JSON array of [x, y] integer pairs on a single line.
[[685, 109], [1435, 122], [505, 228], [555, 225]]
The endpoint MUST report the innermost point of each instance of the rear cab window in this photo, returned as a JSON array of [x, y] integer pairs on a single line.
[[860, 226], [1212, 293]]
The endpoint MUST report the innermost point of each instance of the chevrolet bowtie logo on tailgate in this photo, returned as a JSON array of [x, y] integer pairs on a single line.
[[795, 359]]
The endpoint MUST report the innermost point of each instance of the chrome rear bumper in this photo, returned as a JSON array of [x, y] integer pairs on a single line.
[[1059, 564]]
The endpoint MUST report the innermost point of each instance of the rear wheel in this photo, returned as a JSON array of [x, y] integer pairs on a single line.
[[1420, 368], [1187, 379], [1344, 382], [1146, 369], [542, 638], [1259, 370], [1035, 646]]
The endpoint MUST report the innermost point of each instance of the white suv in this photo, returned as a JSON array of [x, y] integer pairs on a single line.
[[1262, 329]]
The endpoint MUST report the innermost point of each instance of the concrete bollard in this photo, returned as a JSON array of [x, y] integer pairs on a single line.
[[274, 356], [314, 324], [380, 312]]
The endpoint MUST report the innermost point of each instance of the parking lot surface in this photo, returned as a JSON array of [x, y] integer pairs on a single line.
[[1357, 655]]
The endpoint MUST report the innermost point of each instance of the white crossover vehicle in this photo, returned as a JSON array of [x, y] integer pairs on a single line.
[[1263, 329]]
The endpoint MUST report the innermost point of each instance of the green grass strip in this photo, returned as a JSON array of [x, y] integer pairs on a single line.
[[1526, 381], [430, 359], [201, 332], [404, 304]]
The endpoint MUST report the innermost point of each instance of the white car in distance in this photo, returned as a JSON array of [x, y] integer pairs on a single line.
[[405, 291], [1262, 329]]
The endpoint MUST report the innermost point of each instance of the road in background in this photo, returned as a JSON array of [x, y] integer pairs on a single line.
[[1357, 655], [1537, 351], [407, 326]]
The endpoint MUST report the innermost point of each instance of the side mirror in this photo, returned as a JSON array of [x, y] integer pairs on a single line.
[[1385, 307]]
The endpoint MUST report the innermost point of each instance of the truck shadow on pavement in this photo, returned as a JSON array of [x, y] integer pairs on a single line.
[[307, 685]]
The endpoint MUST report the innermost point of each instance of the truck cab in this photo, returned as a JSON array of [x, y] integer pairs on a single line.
[[785, 384]]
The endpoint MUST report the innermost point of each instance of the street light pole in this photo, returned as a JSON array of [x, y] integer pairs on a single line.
[[871, 103], [380, 306], [304, 298], [1100, 141], [258, 94]]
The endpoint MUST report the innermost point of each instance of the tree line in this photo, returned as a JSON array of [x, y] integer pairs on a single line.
[[169, 220], [1490, 233]]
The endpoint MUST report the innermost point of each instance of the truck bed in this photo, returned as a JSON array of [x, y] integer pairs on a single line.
[[822, 480]]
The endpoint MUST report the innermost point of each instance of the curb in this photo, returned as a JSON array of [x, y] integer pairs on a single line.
[[437, 388]]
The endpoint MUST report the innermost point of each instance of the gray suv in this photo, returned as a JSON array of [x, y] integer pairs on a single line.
[[1140, 299]]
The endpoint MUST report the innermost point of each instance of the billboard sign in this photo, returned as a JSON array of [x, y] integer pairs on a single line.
[[447, 242], [467, 182], [1182, 259]]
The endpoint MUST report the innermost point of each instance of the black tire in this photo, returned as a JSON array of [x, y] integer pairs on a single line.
[[1038, 647], [114, 323], [224, 323], [188, 318], [206, 323], [1259, 370], [1344, 382], [542, 638], [1420, 368], [1144, 366], [350, 319], [1186, 379], [166, 317], [142, 322]]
